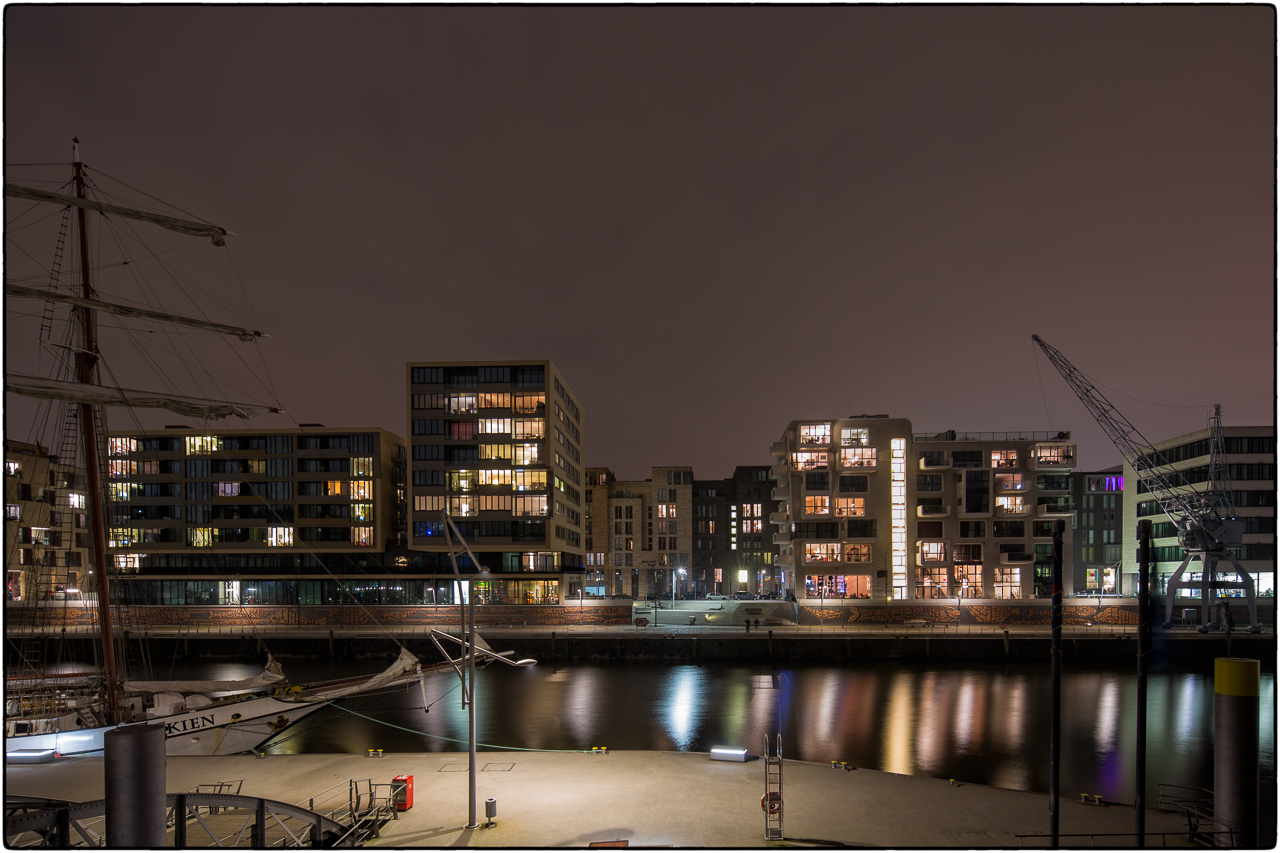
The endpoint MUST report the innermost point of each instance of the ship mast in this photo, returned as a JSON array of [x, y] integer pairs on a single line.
[[86, 360]]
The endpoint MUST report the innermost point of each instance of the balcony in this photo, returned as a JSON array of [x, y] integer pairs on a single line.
[[1008, 484], [782, 538], [933, 511], [1053, 457], [786, 560], [925, 560], [1055, 509], [781, 492], [1016, 557], [779, 472], [1012, 511], [778, 448], [942, 464], [779, 518]]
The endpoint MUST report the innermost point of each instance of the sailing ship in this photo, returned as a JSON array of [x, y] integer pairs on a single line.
[[70, 714]]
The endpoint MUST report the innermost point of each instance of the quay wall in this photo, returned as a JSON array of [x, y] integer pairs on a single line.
[[1012, 614]]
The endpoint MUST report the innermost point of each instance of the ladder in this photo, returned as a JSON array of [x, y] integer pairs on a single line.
[[772, 800]]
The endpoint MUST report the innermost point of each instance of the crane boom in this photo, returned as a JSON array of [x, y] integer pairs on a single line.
[[1186, 510], [1204, 519]]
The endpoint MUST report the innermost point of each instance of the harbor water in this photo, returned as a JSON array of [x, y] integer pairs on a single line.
[[973, 723]]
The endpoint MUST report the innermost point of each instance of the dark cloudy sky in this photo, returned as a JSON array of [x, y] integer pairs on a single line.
[[714, 220]]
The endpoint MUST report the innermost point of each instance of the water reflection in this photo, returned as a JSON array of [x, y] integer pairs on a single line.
[[981, 724]]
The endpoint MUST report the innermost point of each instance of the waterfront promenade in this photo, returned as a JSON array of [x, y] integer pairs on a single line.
[[648, 799]]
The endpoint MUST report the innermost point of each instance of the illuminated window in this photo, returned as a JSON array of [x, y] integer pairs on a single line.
[[529, 404], [362, 536], [808, 460], [849, 507], [526, 454], [898, 512], [361, 466], [429, 503], [495, 477], [119, 469], [1004, 459], [12, 468], [528, 428], [1055, 454], [75, 500], [822, 552], [933, 552], [498, 400], [932, 582], [463, 480], [968, 580], [496, 426], [749, 525], [530, 505], [858, 457], [362, 490], [362, 512], [495, 451], [463, 506], [817, 504], [198, 445], [1011, 504], [529, 479], [122, 537], [200, 537], [491, 503], [334, 488], [227, 490], [121, 446], [1008, 582], [279, 536], [1010, 482], [853, 437], [463, 404], [857, 553], [815, 434]]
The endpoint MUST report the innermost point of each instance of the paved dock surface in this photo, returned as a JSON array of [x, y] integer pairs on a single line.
[[649, 799]]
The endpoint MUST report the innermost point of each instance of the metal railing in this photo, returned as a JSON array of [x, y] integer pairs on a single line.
[[1111, 839]]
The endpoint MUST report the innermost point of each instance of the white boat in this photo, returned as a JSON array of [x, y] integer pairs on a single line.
[[71, 716]]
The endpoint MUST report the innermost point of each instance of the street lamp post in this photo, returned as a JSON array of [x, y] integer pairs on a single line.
[[467, 672]]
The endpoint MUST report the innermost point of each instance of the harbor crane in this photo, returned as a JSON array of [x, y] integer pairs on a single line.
[[1205, 521]]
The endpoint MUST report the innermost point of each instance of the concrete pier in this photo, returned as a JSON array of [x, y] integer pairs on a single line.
[[648, 799]]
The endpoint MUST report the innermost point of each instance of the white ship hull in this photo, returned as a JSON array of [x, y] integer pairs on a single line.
[[204, 731]]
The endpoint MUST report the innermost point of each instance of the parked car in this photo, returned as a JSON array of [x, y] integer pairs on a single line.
[[744, 596], [715, 596], [621, 595]]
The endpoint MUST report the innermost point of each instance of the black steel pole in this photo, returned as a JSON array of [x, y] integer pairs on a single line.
[[1055, 662], [1144, 658]]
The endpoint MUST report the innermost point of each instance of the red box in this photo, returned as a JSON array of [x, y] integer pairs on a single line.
[[402, 792]]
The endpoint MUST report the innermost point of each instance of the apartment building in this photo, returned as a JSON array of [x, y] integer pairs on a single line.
[[498, 446], [673, 530], [1097, 543], [865, 508], [244, 516], [46, 529], [1251, 468]]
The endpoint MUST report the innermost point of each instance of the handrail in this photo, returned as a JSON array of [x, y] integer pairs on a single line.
[[1163, 836]]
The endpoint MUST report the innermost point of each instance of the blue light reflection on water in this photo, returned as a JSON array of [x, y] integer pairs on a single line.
[[982, 724]]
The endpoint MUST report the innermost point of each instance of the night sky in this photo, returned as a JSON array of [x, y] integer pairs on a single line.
[[714, 220]]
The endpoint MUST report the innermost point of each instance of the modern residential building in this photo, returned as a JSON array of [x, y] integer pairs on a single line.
[[1251, 467], [1098, 497], [865, 508], [498, 446], [700, 536], [244, 516], [47, 547]]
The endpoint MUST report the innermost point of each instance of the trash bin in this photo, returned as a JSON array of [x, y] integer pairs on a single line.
[[693, 620], [402, 792]]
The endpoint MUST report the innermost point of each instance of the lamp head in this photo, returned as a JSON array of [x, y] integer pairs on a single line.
[[526, 662]]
